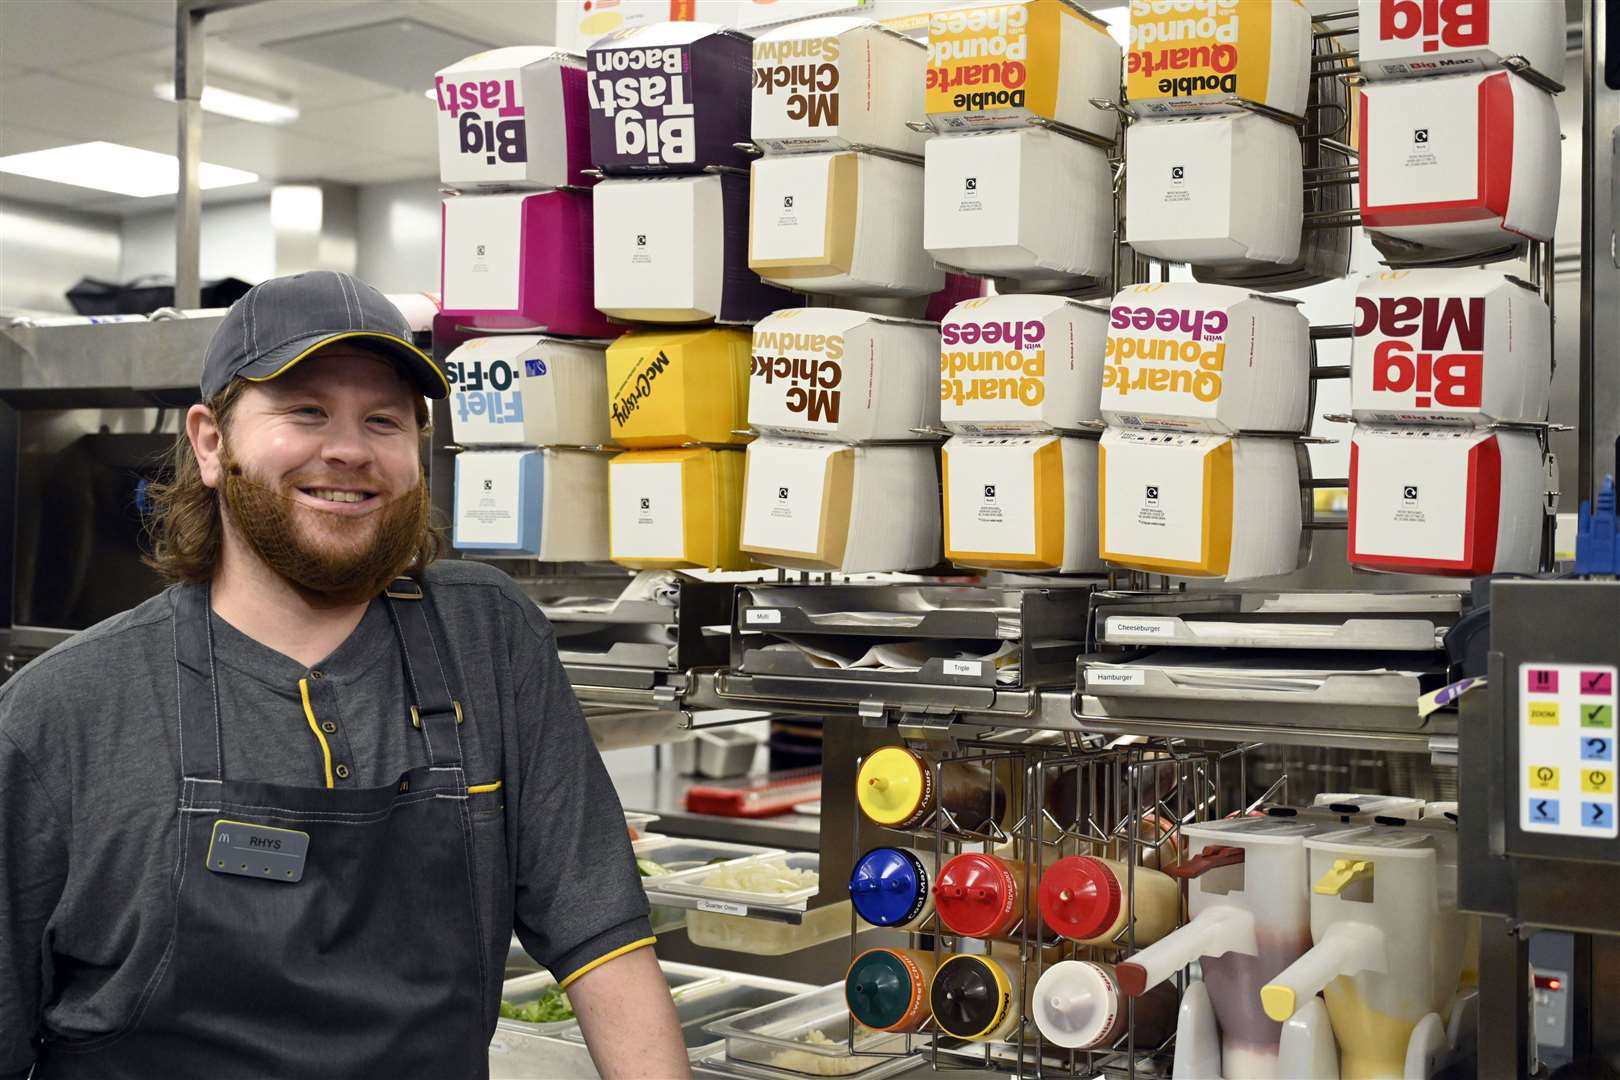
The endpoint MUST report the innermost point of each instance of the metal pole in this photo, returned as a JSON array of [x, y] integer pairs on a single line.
[[188, 84]]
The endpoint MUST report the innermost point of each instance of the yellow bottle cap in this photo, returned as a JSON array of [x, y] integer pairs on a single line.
[[1278, 1001], [894, 786]]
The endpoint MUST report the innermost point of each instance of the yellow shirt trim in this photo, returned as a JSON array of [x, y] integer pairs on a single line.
[[600, 960], [478, 789], [309, 714]]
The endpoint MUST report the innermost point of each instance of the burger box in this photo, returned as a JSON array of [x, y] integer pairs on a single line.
[[528, 390], [1199, 505], [839, 223], [1460, 162], [1193, 357], [1405, 39], [525, 257], [674, 249], [514, 118], [669, 97], [831, 373], [812, 505], [540, 504], [1453, 501], [1195, 57], [1469, 347], [1216, 190], [1011, 364], [672, 387], [677, 508], [1014, 63], [837, 84], [1021, 502], [1021, 203]]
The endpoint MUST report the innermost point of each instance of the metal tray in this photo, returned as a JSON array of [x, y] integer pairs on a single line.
[[1410, 622], [760, 1039], [698, 1006], [690, 882]]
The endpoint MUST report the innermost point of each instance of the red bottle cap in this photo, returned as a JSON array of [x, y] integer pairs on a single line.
[[976, 895], [1079, 897]]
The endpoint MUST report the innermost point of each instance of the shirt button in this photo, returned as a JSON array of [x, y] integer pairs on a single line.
[[315, 675], [328, 727], [342, 772]]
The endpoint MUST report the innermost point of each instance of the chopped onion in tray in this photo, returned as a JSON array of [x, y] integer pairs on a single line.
[[766, 879]]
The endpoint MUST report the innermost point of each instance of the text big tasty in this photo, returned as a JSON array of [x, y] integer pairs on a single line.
[[1433, 348], [1185, 48], [978, 58], [1013, 369], [489, 117], [646, 93], [806, 72], [810, 364], [1179, 350]]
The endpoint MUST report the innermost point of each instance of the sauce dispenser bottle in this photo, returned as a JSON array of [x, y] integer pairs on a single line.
[[887, 989], [891, 887], [895, 788], [1084, 899], [979, 998], [1079, 1005]]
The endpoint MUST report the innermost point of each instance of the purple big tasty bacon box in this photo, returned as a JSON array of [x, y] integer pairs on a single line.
[[522, 261], [672, 97]]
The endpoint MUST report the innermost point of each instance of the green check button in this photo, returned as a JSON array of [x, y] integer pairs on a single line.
[[1601, 716]]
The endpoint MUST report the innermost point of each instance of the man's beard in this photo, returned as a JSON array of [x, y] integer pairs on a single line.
[[325, 574]]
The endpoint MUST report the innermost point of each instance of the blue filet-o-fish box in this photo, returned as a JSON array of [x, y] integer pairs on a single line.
[[499, 494]]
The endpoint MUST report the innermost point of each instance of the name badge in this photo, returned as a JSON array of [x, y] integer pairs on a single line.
[[257, 851]]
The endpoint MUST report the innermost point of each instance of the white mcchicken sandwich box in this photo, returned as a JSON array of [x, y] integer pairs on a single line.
[[528, 390], [831, 373], [1187, 356], [538, 504], [676, 509], [1454, 501], [1020, 363], [1015, 62], [1462, 162], [1405, 39], [1469, 347], [837, 83], [674, 249], [840, 223], [1223, 190], [1199, 505], [1026, 203], [855, 509], [1021, 502], [514, 117], [1200, 55]]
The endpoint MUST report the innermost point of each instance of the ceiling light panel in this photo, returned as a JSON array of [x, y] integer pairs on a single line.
[[123, 170], [217, 99]]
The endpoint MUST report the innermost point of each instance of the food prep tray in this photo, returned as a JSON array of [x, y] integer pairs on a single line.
[[1409, 622], [699, 1005], [680, 855], [690, 882], [774, 1039], [1264, 687]]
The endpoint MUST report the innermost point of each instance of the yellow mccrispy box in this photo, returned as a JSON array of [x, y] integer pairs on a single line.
[[671, 509], [673, 388]]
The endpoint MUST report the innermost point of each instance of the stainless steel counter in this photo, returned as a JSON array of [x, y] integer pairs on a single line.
[[663, 792]]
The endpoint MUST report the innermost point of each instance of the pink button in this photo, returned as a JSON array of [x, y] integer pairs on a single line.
[[1592, 682], [1543, 681]]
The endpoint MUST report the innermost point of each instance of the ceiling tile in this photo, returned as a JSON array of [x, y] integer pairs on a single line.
[[124, 205], [49, 103], [20, 140], [57, 34], [401, 125], [153, 11], [503, 22]]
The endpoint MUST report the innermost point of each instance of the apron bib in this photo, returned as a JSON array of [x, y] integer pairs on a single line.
[[363, 959]]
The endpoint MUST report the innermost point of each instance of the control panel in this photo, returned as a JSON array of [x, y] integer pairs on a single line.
[[1567, 733]]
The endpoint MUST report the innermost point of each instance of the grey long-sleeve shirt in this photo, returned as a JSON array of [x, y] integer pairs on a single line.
[[89, 780]]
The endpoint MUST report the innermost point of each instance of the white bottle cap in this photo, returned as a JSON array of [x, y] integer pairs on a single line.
[[1077, 1004]]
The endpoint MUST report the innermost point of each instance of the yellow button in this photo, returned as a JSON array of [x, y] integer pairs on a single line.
[[1544, 777], [1597, 781], [1544, 713]]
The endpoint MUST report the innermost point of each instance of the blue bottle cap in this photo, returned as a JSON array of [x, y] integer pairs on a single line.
[[889, 887]]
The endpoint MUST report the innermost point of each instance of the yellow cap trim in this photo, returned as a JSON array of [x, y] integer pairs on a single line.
[[1344, 871], [1279, 1002], [1003, 984], [354, 334], [600, 960], [479, 789], [309, 714]]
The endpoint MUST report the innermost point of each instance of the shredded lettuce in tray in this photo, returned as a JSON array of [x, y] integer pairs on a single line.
[[766, 879], [549, 1008]]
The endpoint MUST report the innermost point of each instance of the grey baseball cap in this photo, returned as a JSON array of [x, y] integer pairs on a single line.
[[284, 320]]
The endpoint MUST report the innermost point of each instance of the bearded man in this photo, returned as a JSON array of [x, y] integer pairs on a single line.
[[282, 819]]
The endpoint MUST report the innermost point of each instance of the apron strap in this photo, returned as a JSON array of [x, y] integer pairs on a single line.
[[198, 712], [435, 712]]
